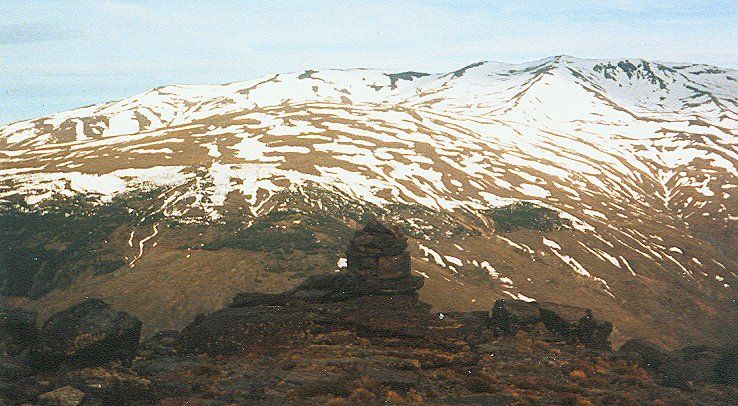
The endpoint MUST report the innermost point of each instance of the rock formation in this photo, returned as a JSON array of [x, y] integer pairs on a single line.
[[684, 367], [509, 316], [87, 334], [17, 330], [376, 295], [571, 323]]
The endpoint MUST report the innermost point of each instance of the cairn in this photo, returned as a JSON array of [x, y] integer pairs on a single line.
[[378, 257]]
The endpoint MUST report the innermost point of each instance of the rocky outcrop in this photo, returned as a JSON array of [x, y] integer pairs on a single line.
[[649, 355], [570, 322], [510, 316], [684, 367], [254, 329], [376, 296], [17, 330], [89, 333]]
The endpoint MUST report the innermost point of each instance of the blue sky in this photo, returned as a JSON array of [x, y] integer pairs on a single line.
[[58, 55]]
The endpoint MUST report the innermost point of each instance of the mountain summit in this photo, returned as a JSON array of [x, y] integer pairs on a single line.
[[604, 184]]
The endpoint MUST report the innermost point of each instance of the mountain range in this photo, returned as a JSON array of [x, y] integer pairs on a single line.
[[606, 184]]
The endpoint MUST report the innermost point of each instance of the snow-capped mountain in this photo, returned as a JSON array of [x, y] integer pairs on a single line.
[[637, 158]]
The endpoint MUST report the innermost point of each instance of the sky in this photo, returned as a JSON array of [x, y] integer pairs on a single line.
[[57, 55]]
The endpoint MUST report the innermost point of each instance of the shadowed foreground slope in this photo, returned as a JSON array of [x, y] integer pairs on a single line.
[[355, 337]]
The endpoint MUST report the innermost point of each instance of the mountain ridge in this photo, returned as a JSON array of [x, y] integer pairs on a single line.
[[638, 160]]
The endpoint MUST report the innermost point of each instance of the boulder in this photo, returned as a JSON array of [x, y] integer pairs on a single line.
[[594, 334], [258, 330], [682, 368], [378, 316], [17, 330], [510, 316], [650, 355], [560, 318], [89, 333], [576, 324]]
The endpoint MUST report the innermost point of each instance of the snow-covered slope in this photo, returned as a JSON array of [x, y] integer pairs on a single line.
[[639, 156]]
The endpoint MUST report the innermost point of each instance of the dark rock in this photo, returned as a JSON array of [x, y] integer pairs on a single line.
[[650, 355], [576, 323], [379, 316], [682, 368], [65, 396], [17, 330], [246, 299], [559, 318], [509, 316], [89, 333], [259, 330], [594, 334]]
